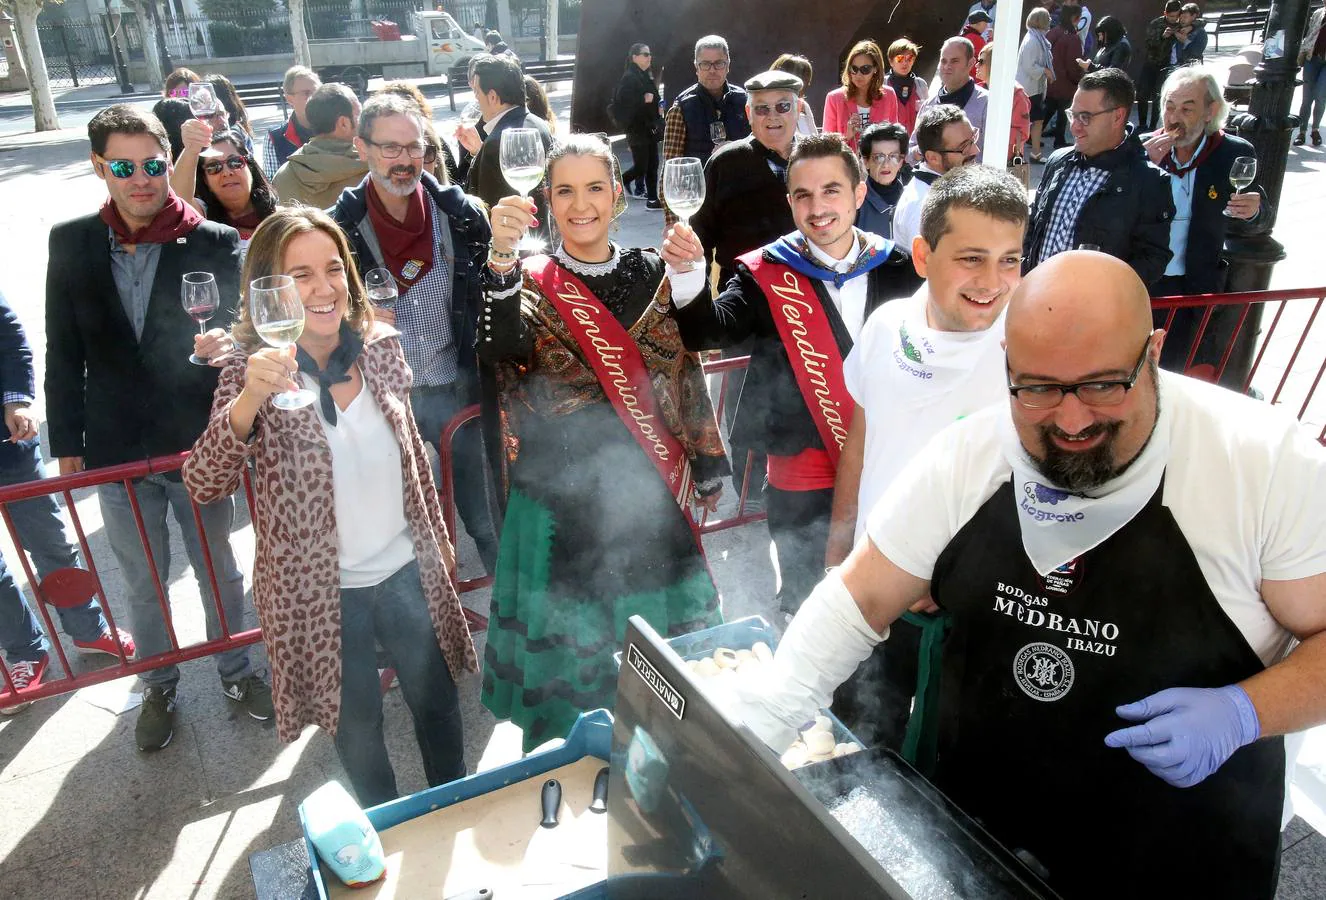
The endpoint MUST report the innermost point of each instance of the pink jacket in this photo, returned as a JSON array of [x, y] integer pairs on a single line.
[[296, 576], [838, 110]]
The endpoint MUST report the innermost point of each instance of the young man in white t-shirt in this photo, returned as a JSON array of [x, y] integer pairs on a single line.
[[925, 361], [1127, 558]]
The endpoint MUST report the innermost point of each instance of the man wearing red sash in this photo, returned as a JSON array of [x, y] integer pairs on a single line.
[[802, 299]]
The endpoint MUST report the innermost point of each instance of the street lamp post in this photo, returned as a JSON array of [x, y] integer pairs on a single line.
[[121, 64]]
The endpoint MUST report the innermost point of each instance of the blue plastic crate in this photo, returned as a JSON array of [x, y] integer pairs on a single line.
[[590, 736]]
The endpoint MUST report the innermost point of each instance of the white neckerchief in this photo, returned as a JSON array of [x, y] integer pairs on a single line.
[[851, 297], [1057, 527], [925, 364]]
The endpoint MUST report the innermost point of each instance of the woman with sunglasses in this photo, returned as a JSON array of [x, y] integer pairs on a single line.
[[635, 107], [864, 98], [604, 451], [231, 188], [351, 547]]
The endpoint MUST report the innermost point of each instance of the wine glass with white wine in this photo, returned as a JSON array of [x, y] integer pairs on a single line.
[[470, 114], [1241, 174], [522, 167], [278, 317], [683, 188], [380, 286]]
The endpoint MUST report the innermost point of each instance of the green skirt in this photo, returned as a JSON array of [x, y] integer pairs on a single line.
[[549, 653]]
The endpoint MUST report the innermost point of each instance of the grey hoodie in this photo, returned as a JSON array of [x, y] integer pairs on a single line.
[[316, 173]]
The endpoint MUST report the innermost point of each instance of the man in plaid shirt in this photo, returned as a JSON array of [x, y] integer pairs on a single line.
[[707, 114]]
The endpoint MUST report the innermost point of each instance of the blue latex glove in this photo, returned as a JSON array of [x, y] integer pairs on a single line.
[[1187, 733]]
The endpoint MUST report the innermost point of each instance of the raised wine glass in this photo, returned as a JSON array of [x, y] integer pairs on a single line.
[[278, 317], [204, 103], [470, 115], [522, 167], [380, 285], [200, 298], [683, 188], [1241, 174]]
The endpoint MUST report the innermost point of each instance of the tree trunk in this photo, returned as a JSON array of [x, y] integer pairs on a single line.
[[298, 36], [39, 83], [151, 54], [551, 28]]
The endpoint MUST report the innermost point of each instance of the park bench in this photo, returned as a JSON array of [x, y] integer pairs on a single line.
[[1236, 20]]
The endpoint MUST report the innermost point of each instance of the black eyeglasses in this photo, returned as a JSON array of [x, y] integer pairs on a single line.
[[782, 108], [420, 150], [867, 69], [124, 168], [716, 65], [1092, 393], [234, 163]]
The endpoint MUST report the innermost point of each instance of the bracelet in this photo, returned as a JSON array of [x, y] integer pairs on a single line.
[[502, 266], [494, 253]]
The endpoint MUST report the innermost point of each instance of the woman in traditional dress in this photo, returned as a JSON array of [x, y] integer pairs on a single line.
[[607, 439]]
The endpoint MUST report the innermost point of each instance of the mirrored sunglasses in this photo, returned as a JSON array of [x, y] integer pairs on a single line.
[[234, 163], [124, 168]]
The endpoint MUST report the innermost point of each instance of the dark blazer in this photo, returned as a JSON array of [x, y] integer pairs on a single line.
[[1129, 217], [771, 413], [640, 120], [16, 377], [483, 171], [110, 397], [469, 241], [1205, 269]]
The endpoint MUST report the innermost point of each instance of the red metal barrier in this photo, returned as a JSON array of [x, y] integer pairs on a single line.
[[1286, 359], [1288, 364]]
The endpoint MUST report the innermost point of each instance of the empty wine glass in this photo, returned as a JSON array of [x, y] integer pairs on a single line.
[[522, 167], [278, 317], [200, 297], [683, 188], [380, 285], [1241, 174], [204, 103]]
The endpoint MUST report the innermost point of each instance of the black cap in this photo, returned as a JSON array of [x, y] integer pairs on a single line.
[[979, 15]]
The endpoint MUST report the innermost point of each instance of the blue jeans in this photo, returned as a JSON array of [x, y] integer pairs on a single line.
[[394, 613], [155, 494], [1314, 94], [42, 532], [433, 408]]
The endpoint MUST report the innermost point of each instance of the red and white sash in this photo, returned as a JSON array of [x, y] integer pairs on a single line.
[[816, 361], [616, 361]]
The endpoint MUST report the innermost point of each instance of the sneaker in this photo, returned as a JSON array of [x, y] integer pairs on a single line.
[[637, 191], [252, 693], [653, 204], [26, 676], [1316, 138], [156, 720], [1300, 139], [106, 644]]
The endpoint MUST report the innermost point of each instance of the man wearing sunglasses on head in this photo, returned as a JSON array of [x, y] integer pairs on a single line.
[[433, 239], [120, 388], [1134, 564], [1103, 192]]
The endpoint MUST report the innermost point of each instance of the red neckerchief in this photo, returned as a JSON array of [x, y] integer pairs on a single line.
[[407, 248], [175, 220], [1171, 165]]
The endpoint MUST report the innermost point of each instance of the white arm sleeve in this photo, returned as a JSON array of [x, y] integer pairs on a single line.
[[686, 286]]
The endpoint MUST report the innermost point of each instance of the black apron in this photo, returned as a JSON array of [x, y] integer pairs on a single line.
[[1033, 669]]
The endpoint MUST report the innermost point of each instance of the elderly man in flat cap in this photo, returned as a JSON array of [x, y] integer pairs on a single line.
[[798, 301]]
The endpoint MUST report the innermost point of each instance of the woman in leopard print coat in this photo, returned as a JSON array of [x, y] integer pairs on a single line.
[[351, 545]]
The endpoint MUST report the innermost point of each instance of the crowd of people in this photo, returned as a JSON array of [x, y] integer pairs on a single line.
[[883, 283]]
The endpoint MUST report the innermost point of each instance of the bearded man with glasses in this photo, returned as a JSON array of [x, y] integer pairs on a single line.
[[120, 388], [433, 239], [1134, 564], [1103, 192]]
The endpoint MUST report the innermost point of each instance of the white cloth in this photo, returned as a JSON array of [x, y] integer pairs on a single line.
[[806, 120], [373, 538], [850, 299], [907, 217], [1057, 527], [1245, 483], [911, 381]]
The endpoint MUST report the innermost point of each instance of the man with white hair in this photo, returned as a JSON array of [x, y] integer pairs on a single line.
[[707, 114], [1198, 154]]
